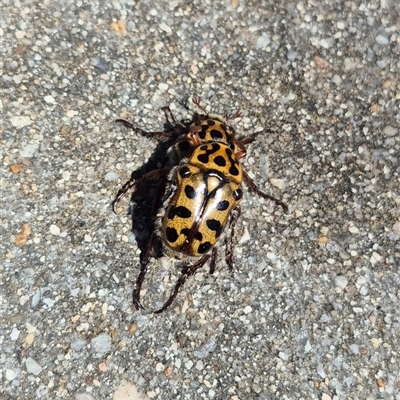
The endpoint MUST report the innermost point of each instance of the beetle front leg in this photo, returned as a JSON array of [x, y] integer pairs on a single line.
[[150, 135], [253, 188], [229, 240]]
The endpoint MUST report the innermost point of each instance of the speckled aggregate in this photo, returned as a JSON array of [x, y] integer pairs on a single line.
[[312, 309]]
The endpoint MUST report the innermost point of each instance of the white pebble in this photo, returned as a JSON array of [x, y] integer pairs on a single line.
[[20, 121], [353, 229], [209, 79], [279, 183], [10, 374], [380, 39], [341, 281], [29, 150], [165, 27], [49, 99], [101, 344], [389, 131], [32, 366], [247, 310], [111, 176], [14, 334], [55, 230]]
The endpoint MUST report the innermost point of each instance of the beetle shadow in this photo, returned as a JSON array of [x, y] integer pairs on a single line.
[[146, 200]]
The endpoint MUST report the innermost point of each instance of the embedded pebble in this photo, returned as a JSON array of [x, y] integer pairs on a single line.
[[111, 176], [380, 39], [55, 230], [263, 41], [341, 281], [101, 344], [20, 121], [29, 150], [10, 374], [390, 131], [32, 366]]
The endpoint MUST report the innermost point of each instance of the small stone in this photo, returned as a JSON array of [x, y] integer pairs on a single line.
[[78, 343], [101, 344], [159, 367], [245, 237], [20, 121], [341, 281], [168, 372], [380, 39], [376, 257], [279, 183], [32, 366], [396, 228], [111, 176], [14, 334], [353, 229], [15, 168], [49, 99], [200, 365], [164, 27], [247, 310], [209, 79], [55, 230], [263, 41], [326, 397], [132, 328], [22, 237], [163, 87], [389, 131], [320, 62], [10, 374], [29, 150], [119, 27]]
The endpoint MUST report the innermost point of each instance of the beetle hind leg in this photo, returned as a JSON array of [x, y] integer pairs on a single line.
[[187, 271]]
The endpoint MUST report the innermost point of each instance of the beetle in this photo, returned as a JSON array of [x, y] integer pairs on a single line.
[[198, 194]]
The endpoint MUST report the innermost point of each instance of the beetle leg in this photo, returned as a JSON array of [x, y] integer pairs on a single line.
[[229, 240], [196, 101], [151, 135], [168, 113], [187, 271], [253, 188], [237, 114], [132, 184], [213, 260]]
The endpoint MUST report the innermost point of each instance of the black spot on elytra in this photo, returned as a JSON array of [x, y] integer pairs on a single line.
[[233, 169], [216, 135], [190, 192], [180, 211], [214, 225], [204, 247], [199, 236], [220, 161], [171, 234], [237, 194], [222, 205], [204, 158], [184, 172], [210, 122]]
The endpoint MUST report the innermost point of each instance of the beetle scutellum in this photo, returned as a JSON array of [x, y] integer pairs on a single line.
[[200, 194]]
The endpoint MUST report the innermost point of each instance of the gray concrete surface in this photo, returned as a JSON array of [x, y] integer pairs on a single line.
[[312, 311]]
